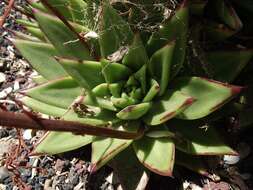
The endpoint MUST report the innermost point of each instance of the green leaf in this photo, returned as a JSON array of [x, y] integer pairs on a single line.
[[27, 23], [36, 32], [227, 65], [40, 55], [152, 92], [58, 142], [157, 155], [60, 93], [227, 14], [114, 72], [140, 75], [197, 7], [101, 90], [73, 10], [218, 32], [113, 30], [194, 163], [44, 108], [198, 139], [133, 175], [65, 40], [39, 79], [104, 149], [160, 63], [103, 102], [175, 28], [172, 103], [87, 73], [134, 111], [136, 56], [210, 95]]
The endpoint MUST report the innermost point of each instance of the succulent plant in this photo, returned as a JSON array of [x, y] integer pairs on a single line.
[[123, 65]]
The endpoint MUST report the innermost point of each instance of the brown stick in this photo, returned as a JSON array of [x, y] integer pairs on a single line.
[[6, 13], [24, 121]]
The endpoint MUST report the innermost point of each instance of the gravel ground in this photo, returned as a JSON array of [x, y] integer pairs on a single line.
[[70, 170]]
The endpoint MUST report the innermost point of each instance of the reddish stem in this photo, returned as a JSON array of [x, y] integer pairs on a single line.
[[24, 121], [6, 13]]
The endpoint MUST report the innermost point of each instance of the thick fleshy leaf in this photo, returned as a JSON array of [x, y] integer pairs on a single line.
[[113, 30], [199, 140], [87, 73], [40, 55], [175, 28], [217, 31], [39, 79], [101, 90], [152, 92], [194, 163], [41, 107], [91, 116], [114, 72], [134, 111], [73, 10], [26, 23], [210, 95], [36, 32], [104, 149], [58, 142], [227, 14], [136, 56], [60, 93], [226, 65], [197, 7], [157, 155], [159, 65], [65, 40], [141, 77], [103, 102], [171, 104], [133, 175]]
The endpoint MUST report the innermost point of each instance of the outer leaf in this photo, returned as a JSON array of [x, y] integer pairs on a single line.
[[43, 108], [104, 149], [64, 40], [199, 141], [210, 95], [87, 73], [194, 163], [58, 142], [134, 111], [226, 65], [36, 32], [113, 30], [227, 14], [157, 155], [73, 10], [39, 79], [136, 56], [40, 55], [60, 93], [217, 31], [171, 104], [175, 28], [160, 64], [132, 176]]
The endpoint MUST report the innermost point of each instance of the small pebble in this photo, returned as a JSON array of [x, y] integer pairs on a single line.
[[231, 159], [2, 77], [4, 173]]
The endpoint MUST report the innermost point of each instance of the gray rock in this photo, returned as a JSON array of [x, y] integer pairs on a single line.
[[4, 173]]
